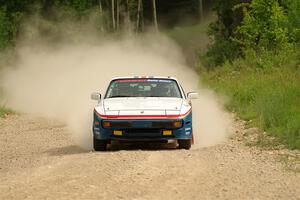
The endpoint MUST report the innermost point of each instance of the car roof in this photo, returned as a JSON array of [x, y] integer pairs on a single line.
[[145, 77]]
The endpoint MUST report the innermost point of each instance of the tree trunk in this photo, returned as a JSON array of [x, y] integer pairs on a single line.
[[118, 14], [128, 22], [113, 14], [142, 16], [138, 15], [201, 10], [47, 9], [155, 15], [101, 15]]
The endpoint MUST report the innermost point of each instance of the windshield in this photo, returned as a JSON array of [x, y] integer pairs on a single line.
[[143, 88]]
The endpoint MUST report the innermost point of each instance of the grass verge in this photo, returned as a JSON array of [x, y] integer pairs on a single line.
[[269, 98]]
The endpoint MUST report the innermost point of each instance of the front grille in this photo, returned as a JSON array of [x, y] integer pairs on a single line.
[[141, 124], [162, 124], [121, 124], [142, 133]]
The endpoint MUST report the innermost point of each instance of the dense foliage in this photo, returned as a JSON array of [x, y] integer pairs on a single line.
[[11, 13], [223, 32], [252, 28], [292, 9], [264, 26]]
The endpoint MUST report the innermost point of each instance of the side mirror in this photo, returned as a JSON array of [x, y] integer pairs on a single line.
[[96, 96], [192, 95]]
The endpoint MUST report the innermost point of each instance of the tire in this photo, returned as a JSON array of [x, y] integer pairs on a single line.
[[100, 145], [185, 144]]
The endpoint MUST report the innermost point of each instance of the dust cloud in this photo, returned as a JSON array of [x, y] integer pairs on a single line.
[[56, 82]]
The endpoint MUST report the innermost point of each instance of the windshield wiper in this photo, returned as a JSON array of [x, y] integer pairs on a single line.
[[116, 96]]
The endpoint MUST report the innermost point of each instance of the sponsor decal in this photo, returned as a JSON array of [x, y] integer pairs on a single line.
[[143, 80]]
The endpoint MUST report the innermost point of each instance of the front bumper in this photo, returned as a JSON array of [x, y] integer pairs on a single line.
[[142, 129]]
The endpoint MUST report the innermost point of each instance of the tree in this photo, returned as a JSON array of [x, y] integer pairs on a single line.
[[113, 14], [118, 14], [223, 32], [127, 18], [201, 10], [154, 15], [101, 16], [138, 15], [264, 26], [109, 14]]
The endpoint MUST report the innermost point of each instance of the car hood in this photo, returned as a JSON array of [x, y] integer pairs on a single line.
[[144, 105]]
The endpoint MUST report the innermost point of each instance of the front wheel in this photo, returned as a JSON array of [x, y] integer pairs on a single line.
[[100, 145], [185, 144]]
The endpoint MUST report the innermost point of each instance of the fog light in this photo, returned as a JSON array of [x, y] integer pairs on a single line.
[[167, 132], [119, 133], [177, 123], [106, 124]]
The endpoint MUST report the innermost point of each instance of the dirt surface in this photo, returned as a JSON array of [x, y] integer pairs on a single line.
[[39, 161]]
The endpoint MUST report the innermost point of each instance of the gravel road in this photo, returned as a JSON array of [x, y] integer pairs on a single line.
[[39, 161]]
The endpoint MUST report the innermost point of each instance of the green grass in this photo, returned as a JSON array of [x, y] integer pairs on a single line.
[[5, 111], [270, 98]]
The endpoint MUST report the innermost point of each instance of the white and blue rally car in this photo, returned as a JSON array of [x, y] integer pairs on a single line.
[[153, 109]]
